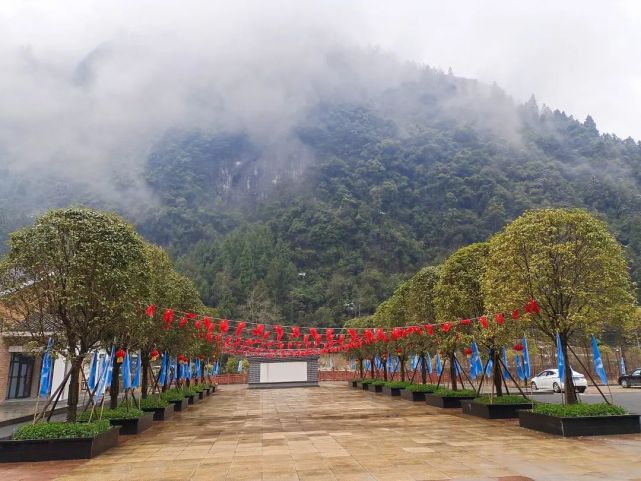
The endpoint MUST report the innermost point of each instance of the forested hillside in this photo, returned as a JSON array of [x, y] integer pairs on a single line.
[[368, 191]]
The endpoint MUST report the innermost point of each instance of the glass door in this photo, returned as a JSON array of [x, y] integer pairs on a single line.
[[20, 375]]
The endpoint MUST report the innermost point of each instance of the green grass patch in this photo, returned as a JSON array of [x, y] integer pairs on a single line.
[[368, 381], [121, 412], [397, 384], [155, 401], [507, 399], [199, 388], [59, 430], [188, 391], [421, 387], [460, 393], [378, 383], [577, 410]]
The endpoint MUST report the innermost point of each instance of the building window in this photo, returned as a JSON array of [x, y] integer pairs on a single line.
[[20, 376]]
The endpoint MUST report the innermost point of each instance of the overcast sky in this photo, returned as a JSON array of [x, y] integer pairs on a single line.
[[99, 79]]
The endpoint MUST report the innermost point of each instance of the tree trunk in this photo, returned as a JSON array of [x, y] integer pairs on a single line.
[[74, 389], [453, 381], [385, 370], [371, 367], [497, 374], [360, 367], [145, 367], [423, 369], [114, 388], [401, 359], [570, 393]]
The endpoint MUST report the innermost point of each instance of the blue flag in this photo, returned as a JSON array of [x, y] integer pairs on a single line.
[[526, 360], [378, 364], [506, 374], [162, 376], [46, 373], [489, 367], [126, 371], [353, 364], [136, 382], [598, 363], [457, 366], [623, 371], [439, 366], [368, 365], [397, 364], [93, 372], [428, 362], [240, 366], [476, 366], [105, 374], [560, 359], [519, 367]]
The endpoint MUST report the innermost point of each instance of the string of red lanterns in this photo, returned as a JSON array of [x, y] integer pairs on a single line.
[[248, 338]]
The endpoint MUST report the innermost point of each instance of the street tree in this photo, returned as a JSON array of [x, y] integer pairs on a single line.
[[569, 262]]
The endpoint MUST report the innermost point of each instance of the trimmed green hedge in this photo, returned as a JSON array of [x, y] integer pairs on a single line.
[[173, 395], [576, 410], [58, 430], [421, 387], [378, 383], [460, 393], [188, 391], [397, 384], [368, 381], [508, 399], [155, 401], [121, 412]]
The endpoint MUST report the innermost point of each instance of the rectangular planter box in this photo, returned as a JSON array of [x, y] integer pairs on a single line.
[[213, 389], [394, 392], [134, 426], [413, 395], [207, 391], [376, 389], [493, 411], [364, 387], [353, 384], [160, 414], [180, 405], [32, 450], [580, 426], [446, 402], [191, 399], [201, 395]]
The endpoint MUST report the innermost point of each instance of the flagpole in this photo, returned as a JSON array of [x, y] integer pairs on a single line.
[[589, 375]]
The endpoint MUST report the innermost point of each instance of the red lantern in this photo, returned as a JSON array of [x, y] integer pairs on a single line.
[[515, 314], [500, 318], [468, 352], [150, 311], [466, 322], [518, 347], [483, 321], [120, 355], [154, 354]]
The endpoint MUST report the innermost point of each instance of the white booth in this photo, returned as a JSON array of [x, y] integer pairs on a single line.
[[266, 372]]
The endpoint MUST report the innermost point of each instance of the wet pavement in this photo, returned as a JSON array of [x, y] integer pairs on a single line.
[[333, 433]]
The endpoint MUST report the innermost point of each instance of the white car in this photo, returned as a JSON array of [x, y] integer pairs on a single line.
[[549, 380]]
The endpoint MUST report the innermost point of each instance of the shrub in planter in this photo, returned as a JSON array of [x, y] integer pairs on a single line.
[[580, 419], [394, 388], [500, 407], [190, 393], [377, 386], [160, 407], [176, 397], [58, 441], [121, 412], [131, 420], [446, 398], [56, 430], [416, 392], [421, 388]]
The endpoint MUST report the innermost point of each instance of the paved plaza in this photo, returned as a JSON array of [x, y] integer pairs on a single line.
[[336, 433]]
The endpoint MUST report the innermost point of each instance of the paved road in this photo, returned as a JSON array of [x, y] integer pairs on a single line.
[[628, 398]]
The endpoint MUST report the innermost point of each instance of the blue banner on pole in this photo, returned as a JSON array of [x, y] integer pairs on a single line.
[[46, 371], [428, 362], [598, 362], [560, 359], [439, 366], [506, 373], [526, 360]]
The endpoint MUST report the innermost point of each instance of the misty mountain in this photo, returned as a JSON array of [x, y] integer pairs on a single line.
[[321, 217]]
